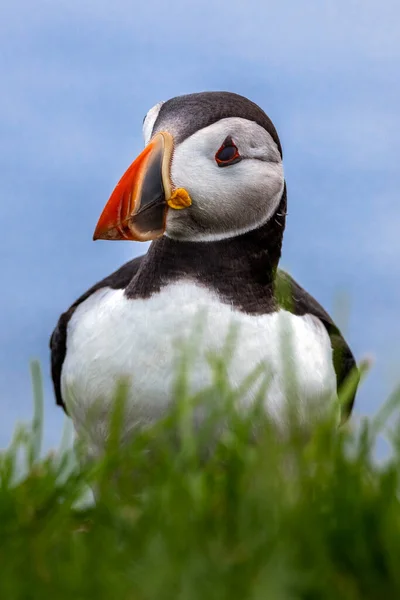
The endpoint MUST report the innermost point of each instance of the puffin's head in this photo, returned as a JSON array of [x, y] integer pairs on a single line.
[[211, 169]]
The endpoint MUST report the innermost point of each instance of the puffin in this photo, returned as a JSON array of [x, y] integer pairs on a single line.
[[209, 192]]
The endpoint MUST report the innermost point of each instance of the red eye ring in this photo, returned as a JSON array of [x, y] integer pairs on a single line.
[[228, 154]]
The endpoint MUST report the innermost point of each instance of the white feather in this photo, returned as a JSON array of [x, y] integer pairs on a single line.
[[110, 336], [149, 121]]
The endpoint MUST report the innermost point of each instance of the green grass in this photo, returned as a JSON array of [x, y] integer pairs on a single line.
[[245, 516]]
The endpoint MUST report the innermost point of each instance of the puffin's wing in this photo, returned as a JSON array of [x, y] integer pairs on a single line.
[[292, 297], [58, 341]]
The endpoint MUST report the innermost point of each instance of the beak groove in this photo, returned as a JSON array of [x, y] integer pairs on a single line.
[[137, 208]]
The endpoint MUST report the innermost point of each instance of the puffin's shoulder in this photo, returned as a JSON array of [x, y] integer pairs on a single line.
[[119, 279], [292, 297]]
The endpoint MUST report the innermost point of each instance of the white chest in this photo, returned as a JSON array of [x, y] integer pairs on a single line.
[[111, 337]]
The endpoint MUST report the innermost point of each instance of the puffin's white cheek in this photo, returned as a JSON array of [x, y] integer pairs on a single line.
[[196, 174], [226, 201]]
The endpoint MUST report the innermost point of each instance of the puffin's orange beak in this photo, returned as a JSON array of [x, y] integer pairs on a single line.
[[137, 208]]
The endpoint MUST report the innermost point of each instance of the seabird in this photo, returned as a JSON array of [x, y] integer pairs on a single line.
[[209, 191]]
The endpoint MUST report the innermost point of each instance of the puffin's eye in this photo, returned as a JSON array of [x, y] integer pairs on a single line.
[[228, 154]]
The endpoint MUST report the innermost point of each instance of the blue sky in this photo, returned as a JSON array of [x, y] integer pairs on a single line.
[[77, 79]]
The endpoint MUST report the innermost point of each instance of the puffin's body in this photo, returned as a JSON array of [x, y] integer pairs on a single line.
[[214, 261]]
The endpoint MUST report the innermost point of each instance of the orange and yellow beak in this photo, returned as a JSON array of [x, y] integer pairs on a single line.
[[137, 208]]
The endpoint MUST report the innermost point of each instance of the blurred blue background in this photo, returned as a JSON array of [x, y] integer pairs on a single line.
[[77, 79]]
